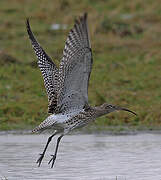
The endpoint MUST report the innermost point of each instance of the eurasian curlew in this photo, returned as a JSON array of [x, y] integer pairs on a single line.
[[67, 86]]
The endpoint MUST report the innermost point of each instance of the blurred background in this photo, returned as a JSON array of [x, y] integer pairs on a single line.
[[126, 42]]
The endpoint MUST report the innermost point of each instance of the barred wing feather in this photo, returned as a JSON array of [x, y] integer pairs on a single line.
[[75, 68], [48, 69]]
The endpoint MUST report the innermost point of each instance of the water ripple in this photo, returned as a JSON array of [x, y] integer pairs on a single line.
[[81, 157]]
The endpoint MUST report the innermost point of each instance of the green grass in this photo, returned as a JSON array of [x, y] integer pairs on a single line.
[[126, 43]]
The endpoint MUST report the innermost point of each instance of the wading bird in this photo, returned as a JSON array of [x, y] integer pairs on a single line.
[[67, 86]]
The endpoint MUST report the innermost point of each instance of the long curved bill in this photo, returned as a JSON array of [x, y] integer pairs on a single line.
[[124, 109]]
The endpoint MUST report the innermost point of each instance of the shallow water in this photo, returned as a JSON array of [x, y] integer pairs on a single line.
[[82, 157]]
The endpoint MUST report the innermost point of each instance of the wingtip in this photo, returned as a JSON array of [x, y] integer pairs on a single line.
[[29, 31], [27, 19], [27, 25], [85, 15]]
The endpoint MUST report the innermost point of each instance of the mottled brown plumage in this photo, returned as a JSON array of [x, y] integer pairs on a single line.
[[67, 86]]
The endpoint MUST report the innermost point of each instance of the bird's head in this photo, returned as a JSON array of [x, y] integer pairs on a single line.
[[110, 108]]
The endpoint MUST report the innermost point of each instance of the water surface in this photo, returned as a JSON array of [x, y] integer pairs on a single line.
[[82, 157]]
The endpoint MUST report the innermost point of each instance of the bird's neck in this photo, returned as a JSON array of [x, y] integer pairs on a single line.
[[99, 111]]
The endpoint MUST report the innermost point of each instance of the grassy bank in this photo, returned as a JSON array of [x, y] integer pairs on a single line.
[[126, 42]]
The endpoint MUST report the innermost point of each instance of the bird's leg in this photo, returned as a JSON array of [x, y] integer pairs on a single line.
[[42, 154], [54, 155]]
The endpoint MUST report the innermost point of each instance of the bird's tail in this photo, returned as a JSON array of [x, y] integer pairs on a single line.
[[38, 128], [47, 123]]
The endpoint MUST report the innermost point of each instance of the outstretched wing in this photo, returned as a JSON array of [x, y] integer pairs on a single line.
[[48, 69], [75, 68]]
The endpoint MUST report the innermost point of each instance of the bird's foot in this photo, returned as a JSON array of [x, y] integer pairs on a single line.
[[40, 159], [52, 160]]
